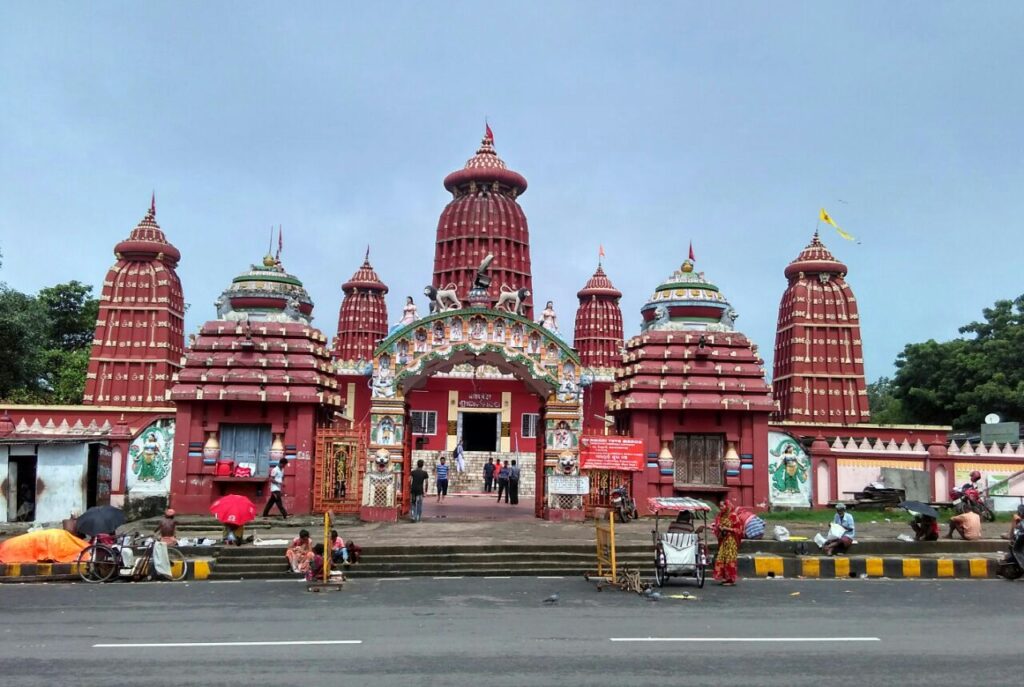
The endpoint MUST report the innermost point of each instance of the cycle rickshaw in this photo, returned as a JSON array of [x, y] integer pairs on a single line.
[[681, 550]]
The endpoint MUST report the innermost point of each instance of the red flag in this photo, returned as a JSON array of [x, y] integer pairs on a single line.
[[691, 252], [488, 134], [280, 242], [600, 250]]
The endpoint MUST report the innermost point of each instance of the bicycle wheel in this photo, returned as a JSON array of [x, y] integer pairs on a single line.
[[179, 565], [97, 563]]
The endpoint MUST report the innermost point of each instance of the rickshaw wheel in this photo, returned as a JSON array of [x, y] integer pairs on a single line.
[[660, 568], [700, 574]]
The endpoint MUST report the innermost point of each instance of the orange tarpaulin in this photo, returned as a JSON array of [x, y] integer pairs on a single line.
[[56, 546]]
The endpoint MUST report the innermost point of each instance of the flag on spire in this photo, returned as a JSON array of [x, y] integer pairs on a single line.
[[824, 217], [600, 250], [692, 259], [280, 242], [488, 134]]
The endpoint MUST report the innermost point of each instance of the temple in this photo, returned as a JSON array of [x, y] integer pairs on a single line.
[[478, 366], [140, 331], [819, 363]]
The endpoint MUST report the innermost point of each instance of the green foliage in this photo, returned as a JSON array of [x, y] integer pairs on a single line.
[[958, 382], [886, 409], [46, 340], [72, 312]]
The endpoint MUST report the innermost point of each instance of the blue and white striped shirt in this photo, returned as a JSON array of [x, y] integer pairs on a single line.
[[442, 471]]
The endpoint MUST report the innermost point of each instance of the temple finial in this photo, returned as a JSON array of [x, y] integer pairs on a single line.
[[152, 203]]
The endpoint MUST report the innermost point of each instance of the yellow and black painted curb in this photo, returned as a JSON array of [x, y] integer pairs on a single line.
[[198, 569], [894, 567]]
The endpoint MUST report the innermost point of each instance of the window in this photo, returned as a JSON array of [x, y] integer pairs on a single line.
[[530, 422], [247, 444], [698, 459], [424, 422]]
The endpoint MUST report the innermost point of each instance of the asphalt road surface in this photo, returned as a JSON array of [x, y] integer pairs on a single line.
[[498, 632]]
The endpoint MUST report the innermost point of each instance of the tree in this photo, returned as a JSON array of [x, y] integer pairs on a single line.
[[72, 312], [23, 337], [958, 382], [886, 409]]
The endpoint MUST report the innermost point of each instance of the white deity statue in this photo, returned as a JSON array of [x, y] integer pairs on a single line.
[[409, 314], [549, 320]]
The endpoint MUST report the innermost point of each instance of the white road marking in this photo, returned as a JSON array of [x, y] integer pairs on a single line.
[[497, 577], [225, 581], [550, 577], [452, 577], [393, 579], [745, 639], [297, 642]]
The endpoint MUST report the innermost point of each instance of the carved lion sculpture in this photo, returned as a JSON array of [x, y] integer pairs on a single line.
[[513, 301], [442, 299]]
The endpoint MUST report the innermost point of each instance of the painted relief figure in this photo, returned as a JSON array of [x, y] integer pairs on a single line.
[[563, 435], [789, 474], [420, 341], [386, 431], [534, 344], [403, 352], [517, 336], [147, 463], [456, 330], [499, 331], [438, 333], [478, 329]]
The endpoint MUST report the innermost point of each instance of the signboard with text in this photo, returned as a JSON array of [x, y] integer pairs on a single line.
[[575, 485], [612, 453], [480, 400]]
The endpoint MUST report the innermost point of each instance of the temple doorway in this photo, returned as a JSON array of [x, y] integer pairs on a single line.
[[481, 431]]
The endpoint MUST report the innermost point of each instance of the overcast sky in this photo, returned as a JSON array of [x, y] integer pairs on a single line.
[[638, 125]]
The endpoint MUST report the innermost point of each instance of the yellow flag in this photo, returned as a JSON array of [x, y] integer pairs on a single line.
[[824, 217]]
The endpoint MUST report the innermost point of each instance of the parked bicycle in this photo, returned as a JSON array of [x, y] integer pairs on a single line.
[[107, 558]]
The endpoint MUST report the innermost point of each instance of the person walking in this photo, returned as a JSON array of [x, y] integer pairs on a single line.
[[729, 531], [417, 489], [489, 476], [503, 482], [513, 484], [277, 489], [460, 458], [441, 475]]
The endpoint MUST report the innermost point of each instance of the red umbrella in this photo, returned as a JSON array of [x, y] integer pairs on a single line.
[[234, 509]]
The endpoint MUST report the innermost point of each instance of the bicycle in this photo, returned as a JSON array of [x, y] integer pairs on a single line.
[[102, 561]]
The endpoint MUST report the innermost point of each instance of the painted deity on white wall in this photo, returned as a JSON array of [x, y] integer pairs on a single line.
[[478, 329], [534, 344], [563, 435], [455, 331], [420, 341], [438, 333], [499, 331], [403, 352], [517, 336]]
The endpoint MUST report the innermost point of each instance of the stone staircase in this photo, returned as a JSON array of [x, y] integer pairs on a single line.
[[253, 563], [472, 480]]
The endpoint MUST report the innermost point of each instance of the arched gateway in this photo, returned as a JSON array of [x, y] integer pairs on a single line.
[[474, 336]]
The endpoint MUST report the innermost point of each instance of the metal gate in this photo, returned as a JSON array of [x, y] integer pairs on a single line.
[[339, 468]]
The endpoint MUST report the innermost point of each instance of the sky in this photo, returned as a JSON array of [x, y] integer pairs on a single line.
[[639, 126]]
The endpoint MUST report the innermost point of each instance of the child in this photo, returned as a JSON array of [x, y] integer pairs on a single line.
[[339, 552], [316, 565]]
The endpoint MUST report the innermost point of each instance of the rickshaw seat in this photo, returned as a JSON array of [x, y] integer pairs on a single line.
[[680, 547]]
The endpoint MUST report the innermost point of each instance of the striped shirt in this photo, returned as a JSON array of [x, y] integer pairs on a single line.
[[442, 471]]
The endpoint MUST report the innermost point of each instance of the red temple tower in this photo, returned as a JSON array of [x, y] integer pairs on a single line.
[[140, 330], [819, 363], [363, 318], [598, 334], [484, 218]]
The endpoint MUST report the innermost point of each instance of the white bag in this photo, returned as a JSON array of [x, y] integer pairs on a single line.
[[819, 539], [836, 531], [781, 533]]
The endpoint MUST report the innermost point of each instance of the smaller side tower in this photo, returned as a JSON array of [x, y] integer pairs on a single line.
[[819, 359], [598, 333], [363, 318], [140, 330]]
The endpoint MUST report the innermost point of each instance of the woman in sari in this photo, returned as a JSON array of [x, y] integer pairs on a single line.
[[729, 531], [300, 553]]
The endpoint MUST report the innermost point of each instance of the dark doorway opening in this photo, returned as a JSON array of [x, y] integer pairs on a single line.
[[21, 472], [480, 431]]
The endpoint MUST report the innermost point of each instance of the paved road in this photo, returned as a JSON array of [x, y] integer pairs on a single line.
[[498, 632]]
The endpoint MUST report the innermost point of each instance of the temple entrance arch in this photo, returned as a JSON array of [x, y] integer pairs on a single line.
[[477, 338]]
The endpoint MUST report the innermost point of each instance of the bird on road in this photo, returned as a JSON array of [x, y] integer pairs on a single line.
[[553, 599], [654, 596]]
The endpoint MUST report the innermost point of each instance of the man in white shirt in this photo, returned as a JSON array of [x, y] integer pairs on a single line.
[[277, 489]]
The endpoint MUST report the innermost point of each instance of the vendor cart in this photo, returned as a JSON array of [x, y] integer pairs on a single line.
[[681, 550]]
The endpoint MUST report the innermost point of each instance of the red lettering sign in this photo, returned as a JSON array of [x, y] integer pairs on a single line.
[[612, 453], [479, 400]]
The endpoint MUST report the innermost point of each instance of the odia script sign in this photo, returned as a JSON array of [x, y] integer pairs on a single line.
[[612, 453], [576, 485]]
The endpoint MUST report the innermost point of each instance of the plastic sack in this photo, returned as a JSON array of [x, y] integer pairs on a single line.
[[819, 539], [781, 533], [836, 531]]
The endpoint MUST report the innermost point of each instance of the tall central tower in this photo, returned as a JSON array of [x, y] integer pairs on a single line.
[[484, 219]]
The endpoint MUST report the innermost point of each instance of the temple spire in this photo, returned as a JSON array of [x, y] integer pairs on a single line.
[[152, 203]]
